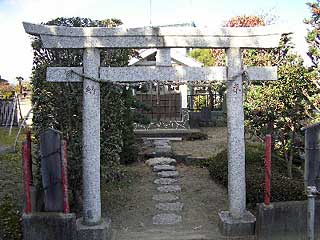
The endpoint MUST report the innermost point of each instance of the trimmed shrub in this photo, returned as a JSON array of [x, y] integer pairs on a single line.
[[196, 136], [282, 187], [129, 152]]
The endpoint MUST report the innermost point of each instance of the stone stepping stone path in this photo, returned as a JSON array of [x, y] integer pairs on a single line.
[[168, 174], [162, 147], [166, 219], [168, 204], [165, 181], [159, 168], [176, 206], [169, 189], [161, 161], [165, 197]]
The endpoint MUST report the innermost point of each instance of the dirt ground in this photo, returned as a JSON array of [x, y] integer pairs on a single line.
[[217, 140], [132, 207]]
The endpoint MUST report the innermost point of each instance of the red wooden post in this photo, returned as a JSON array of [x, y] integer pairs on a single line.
[[267, 169], [26, 177], [29, 149], [64, 177]]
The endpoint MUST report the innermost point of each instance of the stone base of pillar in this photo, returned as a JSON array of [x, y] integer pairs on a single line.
[[49, 225], [101, 231], [230, 226]]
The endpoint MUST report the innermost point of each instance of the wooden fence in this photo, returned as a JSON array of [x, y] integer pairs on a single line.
[[165, 107], [6, 113]]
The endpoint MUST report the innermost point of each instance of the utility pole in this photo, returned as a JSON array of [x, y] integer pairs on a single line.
[[20, 79], [150, 11]]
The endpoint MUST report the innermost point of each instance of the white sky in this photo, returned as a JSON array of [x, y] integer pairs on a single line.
[[16, 52]]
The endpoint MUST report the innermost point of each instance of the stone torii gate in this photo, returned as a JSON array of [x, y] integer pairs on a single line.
[[95, 38]]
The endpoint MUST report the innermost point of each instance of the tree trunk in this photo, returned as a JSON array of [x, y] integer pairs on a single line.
[[289, 166], [211, 100]]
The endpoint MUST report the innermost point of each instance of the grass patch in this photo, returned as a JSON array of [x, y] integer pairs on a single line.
[[282, 187], [11, 186], [11, 196], [116, 193], [7, 140], [10, 222], [11, 176]]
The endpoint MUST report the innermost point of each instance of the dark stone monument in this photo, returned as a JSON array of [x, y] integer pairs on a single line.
[[55, 222], [51, 149], [205, 118], [205, 114], [312, 155]]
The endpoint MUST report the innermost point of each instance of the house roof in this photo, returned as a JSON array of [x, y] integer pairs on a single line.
[[176, 56], [188, 24], [3, 81]]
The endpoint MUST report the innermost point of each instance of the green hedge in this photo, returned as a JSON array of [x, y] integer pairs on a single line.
[[282, 187]]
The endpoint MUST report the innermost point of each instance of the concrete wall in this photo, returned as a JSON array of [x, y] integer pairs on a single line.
[[285, 221]]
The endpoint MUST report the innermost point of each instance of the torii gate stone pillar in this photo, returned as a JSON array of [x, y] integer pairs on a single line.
[[237, 220], [91, 145]]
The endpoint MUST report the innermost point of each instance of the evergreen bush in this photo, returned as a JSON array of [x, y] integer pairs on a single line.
[[282, 187]]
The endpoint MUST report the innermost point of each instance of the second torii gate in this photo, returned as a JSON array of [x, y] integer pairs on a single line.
[[93, 39]]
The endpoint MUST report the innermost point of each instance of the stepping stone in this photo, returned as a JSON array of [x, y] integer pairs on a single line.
[[166, 219], [162, 146], [165, 197], [165, 181], [169, 188], [168, 174], [161, 161], [175, 206], [161, 142], [159, 168], [163, 149], [165, 145], [147, 143]]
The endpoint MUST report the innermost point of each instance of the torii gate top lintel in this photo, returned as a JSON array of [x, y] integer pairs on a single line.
[[157, 37]]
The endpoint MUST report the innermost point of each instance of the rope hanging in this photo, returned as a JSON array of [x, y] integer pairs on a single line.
[[199, 83]]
